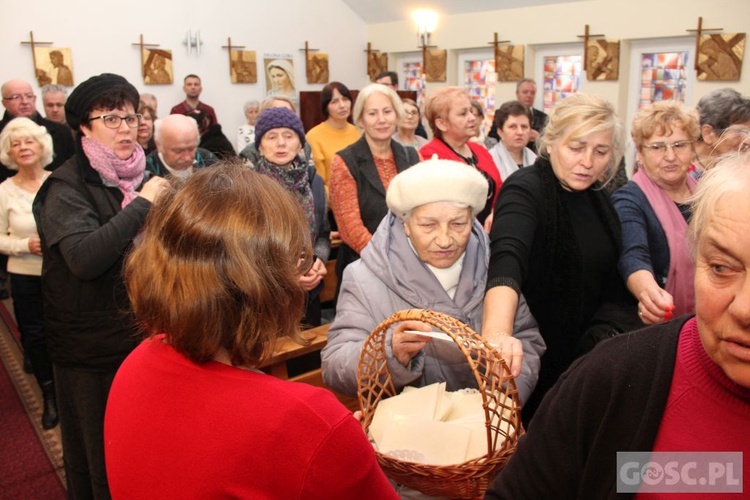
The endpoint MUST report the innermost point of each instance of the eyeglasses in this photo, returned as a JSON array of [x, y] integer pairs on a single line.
[[660, 148], [114, 121], [19, 97], [412, 113]]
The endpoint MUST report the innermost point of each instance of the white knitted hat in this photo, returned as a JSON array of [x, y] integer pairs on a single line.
[[436, 180]]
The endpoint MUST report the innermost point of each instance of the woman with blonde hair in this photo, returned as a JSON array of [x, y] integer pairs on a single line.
[[556, 239], [681, 387], [362, 172], [654, 212], [27, 148], [215, 285]]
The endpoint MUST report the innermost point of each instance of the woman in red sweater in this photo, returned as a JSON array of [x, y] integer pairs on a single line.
[[214, 283], [448, 111]]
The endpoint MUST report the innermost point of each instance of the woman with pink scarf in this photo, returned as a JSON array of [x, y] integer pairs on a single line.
[[654, 211], [88, 212]]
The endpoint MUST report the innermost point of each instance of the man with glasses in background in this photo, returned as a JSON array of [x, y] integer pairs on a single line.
[[19, 101]]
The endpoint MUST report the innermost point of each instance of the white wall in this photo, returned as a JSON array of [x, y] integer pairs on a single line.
[[561, 23], [100, 34]]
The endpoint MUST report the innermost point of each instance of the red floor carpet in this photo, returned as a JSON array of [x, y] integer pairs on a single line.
[[26, 471]]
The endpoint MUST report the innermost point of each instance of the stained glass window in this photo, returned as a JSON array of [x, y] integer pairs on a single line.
[[479, 79], [663, 77], [562, 77]]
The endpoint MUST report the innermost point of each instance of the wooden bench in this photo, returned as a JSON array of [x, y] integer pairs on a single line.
[[331, 280], [288, 349]]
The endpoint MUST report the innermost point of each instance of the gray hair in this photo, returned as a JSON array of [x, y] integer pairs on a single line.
[[53, 88], [522, 81], [715, 108], [730, 175], [19, 128], [173, 118], [268, 101], [250, 104], [377, 88]]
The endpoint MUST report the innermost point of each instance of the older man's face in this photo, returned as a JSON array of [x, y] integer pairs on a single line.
[[54, 106], [526, 93], [19, 99], [722, 286], [178, 146]]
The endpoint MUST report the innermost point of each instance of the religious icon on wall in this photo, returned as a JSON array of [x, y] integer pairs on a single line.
[[53, 66], [377, 62], [244, 67], [317, 67], [435, 65], [603, 60], [280, 75], [157, 67], [509, 63], [720, 56]]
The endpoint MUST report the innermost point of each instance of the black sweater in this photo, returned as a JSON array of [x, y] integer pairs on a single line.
[[610, 400]]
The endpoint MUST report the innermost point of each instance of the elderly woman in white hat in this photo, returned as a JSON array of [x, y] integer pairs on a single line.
[[429, 252]]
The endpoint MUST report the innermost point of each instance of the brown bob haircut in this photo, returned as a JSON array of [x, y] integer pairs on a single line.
[[511, 108], [219, 265]]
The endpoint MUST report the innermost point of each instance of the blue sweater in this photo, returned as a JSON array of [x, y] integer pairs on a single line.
[[644, 243]]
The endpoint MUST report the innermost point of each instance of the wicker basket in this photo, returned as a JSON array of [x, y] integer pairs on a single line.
[[469, 479]]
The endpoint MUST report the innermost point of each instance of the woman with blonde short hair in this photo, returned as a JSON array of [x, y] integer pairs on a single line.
[[27, 148], [556, 239], [681, 387], [362, 172]]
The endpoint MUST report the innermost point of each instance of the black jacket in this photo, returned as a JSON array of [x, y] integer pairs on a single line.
[[85, 237], [611, 400]]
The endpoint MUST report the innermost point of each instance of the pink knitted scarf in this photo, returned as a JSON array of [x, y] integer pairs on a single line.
[[127, 175], [681, 268]]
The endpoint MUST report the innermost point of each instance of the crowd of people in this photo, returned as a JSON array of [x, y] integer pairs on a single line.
[[153, 266]]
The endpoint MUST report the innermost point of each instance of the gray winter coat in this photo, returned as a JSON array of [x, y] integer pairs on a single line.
[[388, 278]]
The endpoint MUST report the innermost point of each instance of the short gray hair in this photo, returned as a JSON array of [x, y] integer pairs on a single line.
[[53, 88], [268, 101], [250, 104], [731, 174], [21, 128], [715, 108], [522, 81]]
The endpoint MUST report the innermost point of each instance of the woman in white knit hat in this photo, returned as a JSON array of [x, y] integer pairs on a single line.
[[429, 252]]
